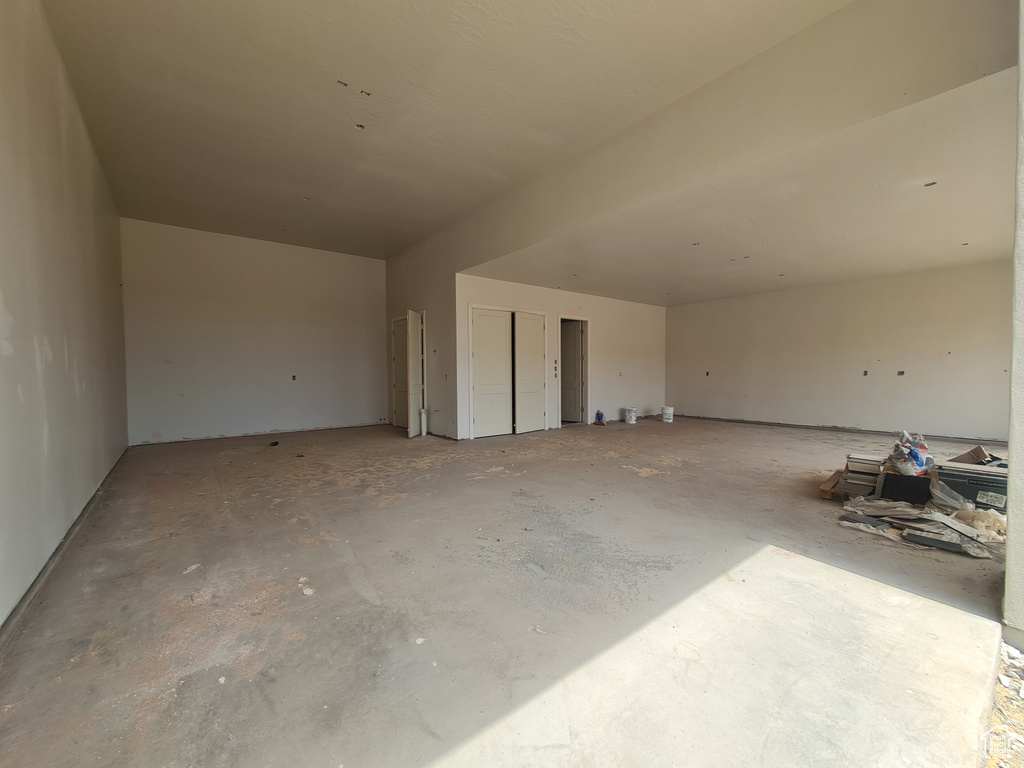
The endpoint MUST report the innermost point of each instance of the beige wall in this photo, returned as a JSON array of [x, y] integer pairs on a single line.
[[62, 399], [1013, 602], [627, 345], [813, 84], [216, 326], [799, 356], [427, 286]]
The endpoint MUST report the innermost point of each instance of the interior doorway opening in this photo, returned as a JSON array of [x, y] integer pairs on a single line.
[[572, 375], [408, 393]]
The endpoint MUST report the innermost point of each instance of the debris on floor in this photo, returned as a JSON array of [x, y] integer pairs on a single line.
[[979, 455], [1003, 742], [985, 485], [910, 455], [957, 505]]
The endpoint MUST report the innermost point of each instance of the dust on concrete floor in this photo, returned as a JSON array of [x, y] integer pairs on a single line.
[[354, 597], [1004, 741]]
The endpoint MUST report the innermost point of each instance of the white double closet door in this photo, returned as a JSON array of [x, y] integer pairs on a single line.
[[508, 363]]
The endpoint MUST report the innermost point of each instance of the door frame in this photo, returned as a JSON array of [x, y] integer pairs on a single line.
[[423, 331], [391, 366], [586, 365], [513, 310]]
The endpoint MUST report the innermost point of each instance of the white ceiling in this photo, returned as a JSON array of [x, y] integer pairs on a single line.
[[226, 115], [849, 205]]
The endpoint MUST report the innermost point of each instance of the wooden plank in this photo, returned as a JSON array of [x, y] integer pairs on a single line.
[[826, 489]]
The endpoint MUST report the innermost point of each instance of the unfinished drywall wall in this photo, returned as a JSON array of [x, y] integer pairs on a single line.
[[627, 345], [217, 327], [813, 84], [1013, 601], [799, 356], [429, 287], [62, 398]]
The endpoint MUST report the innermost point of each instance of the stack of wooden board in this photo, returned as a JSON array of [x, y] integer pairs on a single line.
[[862, 476]]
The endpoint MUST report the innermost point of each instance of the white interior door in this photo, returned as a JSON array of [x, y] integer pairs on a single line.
[[492, 372], [400, 372], [414, 365], [529, 368], [572, 368]]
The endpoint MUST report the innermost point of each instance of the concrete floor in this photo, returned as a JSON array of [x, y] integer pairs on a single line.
[[664, 594]]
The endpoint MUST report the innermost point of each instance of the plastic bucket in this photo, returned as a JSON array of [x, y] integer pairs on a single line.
[[631, 415], [668, 413]]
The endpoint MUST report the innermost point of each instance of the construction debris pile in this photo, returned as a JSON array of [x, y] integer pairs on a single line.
[[957, 505]]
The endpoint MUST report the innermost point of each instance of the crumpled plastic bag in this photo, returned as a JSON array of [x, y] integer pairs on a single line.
[[946, 499], [991, 525], [910, 455]]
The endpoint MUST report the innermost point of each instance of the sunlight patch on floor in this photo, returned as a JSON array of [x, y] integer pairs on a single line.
[[781, 661]]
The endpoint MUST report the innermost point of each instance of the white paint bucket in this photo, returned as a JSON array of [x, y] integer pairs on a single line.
[[668, 413], [631, 415]]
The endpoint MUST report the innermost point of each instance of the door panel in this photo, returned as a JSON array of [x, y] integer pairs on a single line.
[[492, 372], [531, 400], [572, 370], [414, 347], [400, 368]]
